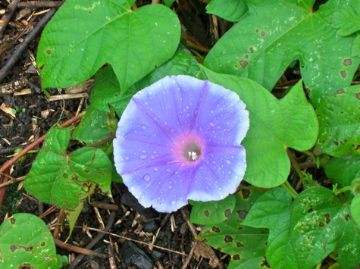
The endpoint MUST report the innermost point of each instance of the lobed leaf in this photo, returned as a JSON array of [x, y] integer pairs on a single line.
[[273, 34], [275, 125], [106, 32]]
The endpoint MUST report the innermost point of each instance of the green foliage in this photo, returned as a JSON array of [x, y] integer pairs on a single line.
[[230, 10], [212, 212], [355, 209], [245, 245], [302, 233], [183, 63], [274, 126], [343, 171], [26, 241], [106, 32], [55, 173], [95, 126], [339, 121], [273, 34]]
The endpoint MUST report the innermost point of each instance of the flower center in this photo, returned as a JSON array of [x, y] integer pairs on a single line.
[[192, 152]]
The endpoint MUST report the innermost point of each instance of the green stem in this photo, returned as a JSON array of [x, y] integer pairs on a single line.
[[290, 189], [343, 189]]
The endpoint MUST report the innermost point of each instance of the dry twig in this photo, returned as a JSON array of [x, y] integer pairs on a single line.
[[6, 18], [21, 48], [40, 4]]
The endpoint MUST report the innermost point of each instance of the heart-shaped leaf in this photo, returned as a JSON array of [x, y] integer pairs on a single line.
[[133, 42], [274, 126]]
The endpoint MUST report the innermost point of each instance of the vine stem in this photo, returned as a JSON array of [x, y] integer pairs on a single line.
[[6, 166], [290, 189]]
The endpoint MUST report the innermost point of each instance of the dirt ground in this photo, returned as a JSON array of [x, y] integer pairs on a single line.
[[135, 237]]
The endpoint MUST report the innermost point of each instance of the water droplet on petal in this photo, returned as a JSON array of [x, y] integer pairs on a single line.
[[143, 157], [146, 177]]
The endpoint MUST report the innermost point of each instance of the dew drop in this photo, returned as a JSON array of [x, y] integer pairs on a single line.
[[146, 177], [143, 157]]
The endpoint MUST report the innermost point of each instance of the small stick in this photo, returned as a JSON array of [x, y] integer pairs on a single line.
[[76, 249], [188, 259], [21, 48], [11, 181], [190, 225], [93, 242], [103, 205], [40, 4], [6, 18], [137, 241], [67, 96]]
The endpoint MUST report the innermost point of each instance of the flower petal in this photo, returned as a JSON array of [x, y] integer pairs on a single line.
[[219, 175], [165, 188]]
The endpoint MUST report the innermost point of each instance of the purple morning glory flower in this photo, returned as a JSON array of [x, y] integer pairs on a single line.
[[179, 139]]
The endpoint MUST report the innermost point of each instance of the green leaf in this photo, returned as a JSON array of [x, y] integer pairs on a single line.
[[183, 63], [302, 233], [347, 18], [72, 217], [207, 213], [343, 170], [26, 241], [169, 2], [275, 125], [355, 209], [106, 92], [230, 10], [339, 122], [245, 245], [270, 210], [92, 165], [63, 180], [86, 34], [94, 126], [273, 34]]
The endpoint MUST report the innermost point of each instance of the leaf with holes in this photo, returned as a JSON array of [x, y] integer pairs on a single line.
[[273, 34], [274, 126], [302, 233], [245, 245], [26, 241], [213, 212], [339, 122], [65, 180], [133, 42], [230, 10]]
